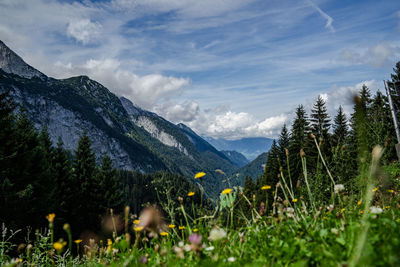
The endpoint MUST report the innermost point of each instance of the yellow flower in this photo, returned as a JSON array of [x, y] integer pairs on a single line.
[[387, 207], [51, 217], [136, 221], [109, 242], [359, 202], [390, 191], [294, 200], [164, 233], [181, 227], [342, 210], [171, 226], [190, 194], [266, 187], [375, 189], [59, 246], [78, 241], [138, 228], [226, 191], [199, 175], [361, 211], [195, 230]]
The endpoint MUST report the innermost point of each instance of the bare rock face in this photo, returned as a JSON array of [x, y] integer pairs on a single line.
[[12, 63]]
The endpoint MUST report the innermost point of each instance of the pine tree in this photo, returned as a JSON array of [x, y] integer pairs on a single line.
[[320, 121], [340, 128], [396, 74], [283, 143], [109, 186], [298, 140]]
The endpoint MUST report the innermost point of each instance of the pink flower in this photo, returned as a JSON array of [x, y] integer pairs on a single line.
[[195, 239]]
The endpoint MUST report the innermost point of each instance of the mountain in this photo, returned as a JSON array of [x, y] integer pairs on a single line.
[[249, 147], [134, 138], [238, 158], [254, 169]]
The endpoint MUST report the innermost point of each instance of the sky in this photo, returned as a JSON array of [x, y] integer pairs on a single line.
[[226, 68]]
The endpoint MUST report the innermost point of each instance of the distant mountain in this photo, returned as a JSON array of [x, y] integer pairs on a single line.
[[249, 147], [238, 158], [253, 169], [134, 138]]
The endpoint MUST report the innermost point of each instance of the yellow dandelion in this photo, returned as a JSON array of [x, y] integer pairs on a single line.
[[226, 191], [390, 191], [342, 210], [164, 234], [375, 189], [109, 242], [359, 202], [59, 246], [138, 228], [266, 187], [77, 241], [294, 200], [136, 221], [195, 230], [181, 227], [51, 217], [199, 175], [190, 194], [171, 226], [387, 207]]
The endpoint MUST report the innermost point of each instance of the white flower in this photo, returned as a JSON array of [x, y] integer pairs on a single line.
[[181, 243], [375, 210], [231, 259], [217, 234], [210, 248], [334, 231], [338, 188]]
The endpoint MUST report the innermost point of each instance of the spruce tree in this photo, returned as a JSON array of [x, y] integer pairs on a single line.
[[109, 186], [396, 74], [299, 139], [340, 128]]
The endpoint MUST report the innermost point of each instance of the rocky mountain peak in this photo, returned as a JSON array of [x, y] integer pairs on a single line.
[[10, 62]]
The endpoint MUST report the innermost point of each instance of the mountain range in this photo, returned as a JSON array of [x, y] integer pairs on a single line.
[[134, 138], [250, 147]]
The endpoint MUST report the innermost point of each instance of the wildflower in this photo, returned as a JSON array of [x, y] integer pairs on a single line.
[[375, 189], [190, 194], [181, 227], [226, 191], [138, 228], [66, 227], [294, 200], [195, 230], [390, 191], [171, 226], [231, 259], [77, 241], [361, 211], [266, 187], [338, 188], [51, 217], [195, 239], [199, 175], [359, 202], [217, 234], [136, 221], [330, 207], [342, 210], [387, 207], [59, 246], [375, 210], [210, 248], [334, 231], [164, 234]]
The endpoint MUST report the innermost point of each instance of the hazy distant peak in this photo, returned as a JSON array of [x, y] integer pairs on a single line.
[[10, 62]]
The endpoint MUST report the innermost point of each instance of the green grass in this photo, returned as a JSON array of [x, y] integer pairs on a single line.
[[348, 230]]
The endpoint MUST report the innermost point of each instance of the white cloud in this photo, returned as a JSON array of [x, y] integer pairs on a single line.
[[84, 30], [379, 54], [184, 112], [145, 91]]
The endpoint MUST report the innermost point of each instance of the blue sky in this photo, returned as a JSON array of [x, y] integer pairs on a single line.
[[229, 69]]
